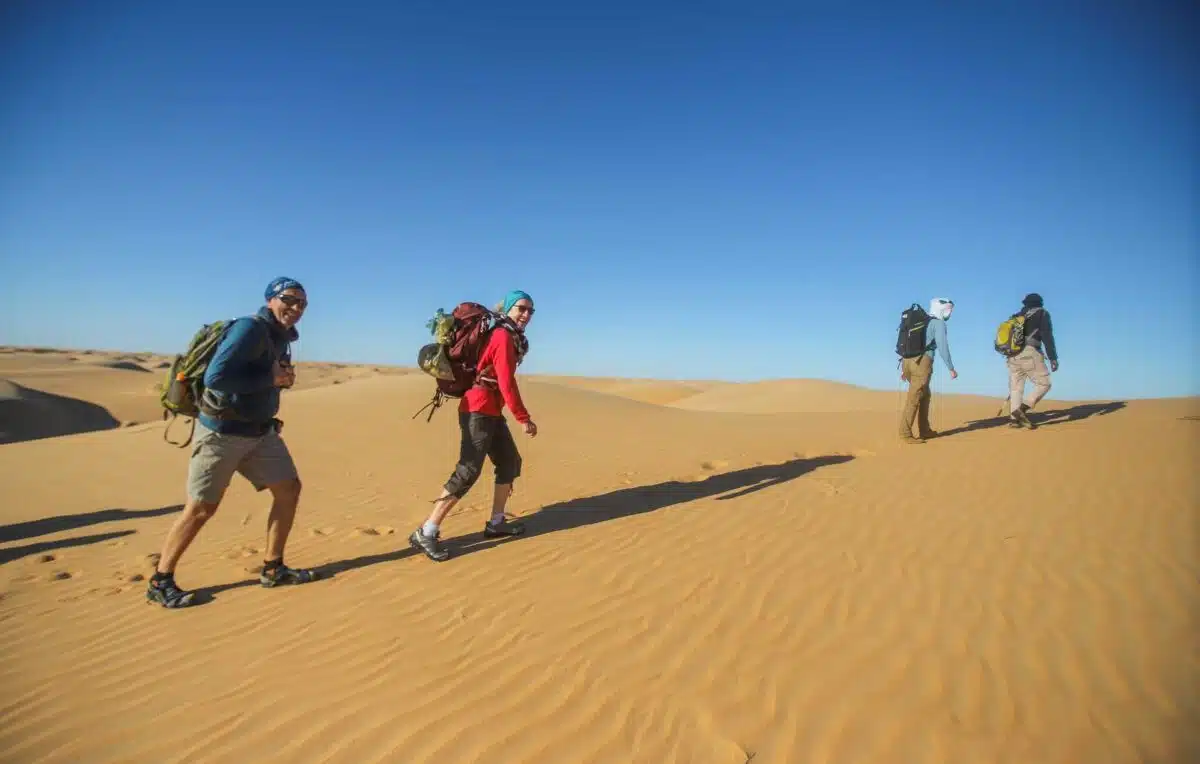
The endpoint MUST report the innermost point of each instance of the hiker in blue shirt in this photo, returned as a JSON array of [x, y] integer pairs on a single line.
[[918, 372], [237, 431]]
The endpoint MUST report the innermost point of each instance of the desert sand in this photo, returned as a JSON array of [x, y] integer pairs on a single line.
[[714, 572]]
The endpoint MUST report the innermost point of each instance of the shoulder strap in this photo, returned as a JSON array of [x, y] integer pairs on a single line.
[[269, 340]]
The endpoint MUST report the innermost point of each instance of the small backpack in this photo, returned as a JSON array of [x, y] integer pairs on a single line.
[[459, 339], [910, 339], [183, 388], [184, 383], [1010, 335]]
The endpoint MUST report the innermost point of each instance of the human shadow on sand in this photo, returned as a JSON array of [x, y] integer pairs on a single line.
[[1042, 419], [40, 527], [623, 502], [8, 554]]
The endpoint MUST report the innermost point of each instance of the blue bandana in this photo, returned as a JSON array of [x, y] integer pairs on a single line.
[[281, 284], [513, 297]]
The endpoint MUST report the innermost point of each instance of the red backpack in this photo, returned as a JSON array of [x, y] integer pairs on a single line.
[[460, 338]]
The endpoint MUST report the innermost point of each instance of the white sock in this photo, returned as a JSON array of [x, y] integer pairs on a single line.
[[497, 518], [429, 529]]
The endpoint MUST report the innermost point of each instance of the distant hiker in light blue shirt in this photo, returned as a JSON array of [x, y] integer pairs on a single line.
[[918, 372], [939, 313]]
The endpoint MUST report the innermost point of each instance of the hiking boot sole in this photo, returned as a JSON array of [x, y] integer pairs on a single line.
[[507, 531], [184, 601]]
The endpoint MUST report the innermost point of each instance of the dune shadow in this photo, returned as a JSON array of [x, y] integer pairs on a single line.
[[28, 414], [17, 552], [1042, 419], [44, 525]]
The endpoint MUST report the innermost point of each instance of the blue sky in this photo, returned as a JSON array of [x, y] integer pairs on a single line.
[[694, 190]]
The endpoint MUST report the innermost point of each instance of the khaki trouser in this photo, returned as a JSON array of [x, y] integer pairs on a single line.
[[1028, 364], [919, 371]]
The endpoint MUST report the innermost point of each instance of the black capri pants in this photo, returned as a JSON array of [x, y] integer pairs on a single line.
[[483, 437]]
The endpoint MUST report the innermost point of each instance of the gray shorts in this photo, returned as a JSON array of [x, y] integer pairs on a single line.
[[263, 460]]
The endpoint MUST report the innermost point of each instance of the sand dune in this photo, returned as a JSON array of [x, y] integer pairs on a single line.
[[697, 586], [646, 390], [810, 396], [126, 386], [27, 414]]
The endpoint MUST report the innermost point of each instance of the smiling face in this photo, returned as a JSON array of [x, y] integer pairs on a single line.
[[288, 307], [521, 312]]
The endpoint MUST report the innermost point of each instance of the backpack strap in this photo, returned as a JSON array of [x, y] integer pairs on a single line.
[[1037, 329], [191, 433], [520, 344], [207, 403], [434, 404]]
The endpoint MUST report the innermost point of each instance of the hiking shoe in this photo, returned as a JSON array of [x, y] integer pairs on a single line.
[[167, 593], [1019, 417], [929, 435], [429, 545], [502, 529], [278, 573], [909, 440]]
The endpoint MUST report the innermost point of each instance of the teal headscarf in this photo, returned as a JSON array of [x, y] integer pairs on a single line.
[[513, 297]]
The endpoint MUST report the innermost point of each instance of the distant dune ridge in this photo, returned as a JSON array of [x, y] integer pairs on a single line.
[[714, 572], [27, 414]]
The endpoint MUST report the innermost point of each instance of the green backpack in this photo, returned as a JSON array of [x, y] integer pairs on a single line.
[[184, 384]]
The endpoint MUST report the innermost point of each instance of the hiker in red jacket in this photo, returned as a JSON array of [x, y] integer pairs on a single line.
[[485, 432]]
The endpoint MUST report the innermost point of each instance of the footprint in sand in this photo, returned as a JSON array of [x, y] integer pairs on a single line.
[[369, 531], [46, 558], [61, 575], [827, 488], [240, 551], [320, 531], [715, 464]]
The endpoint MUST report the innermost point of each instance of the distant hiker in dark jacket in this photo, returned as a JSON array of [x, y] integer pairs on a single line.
[[1030, 363], [237, 431], [484, 432], [918, 372]]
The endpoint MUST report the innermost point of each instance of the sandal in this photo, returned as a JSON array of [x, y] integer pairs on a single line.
[[276, 573], [164, 591]]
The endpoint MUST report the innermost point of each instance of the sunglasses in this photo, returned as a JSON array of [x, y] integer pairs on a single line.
[[524, 309], [292, 301]]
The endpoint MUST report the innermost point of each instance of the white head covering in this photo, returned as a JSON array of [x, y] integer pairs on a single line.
[[940, 307]]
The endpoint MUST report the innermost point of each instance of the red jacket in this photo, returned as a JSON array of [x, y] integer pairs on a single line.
[[498, 362]]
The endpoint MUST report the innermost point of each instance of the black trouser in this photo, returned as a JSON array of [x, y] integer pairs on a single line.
[[483, 437]]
